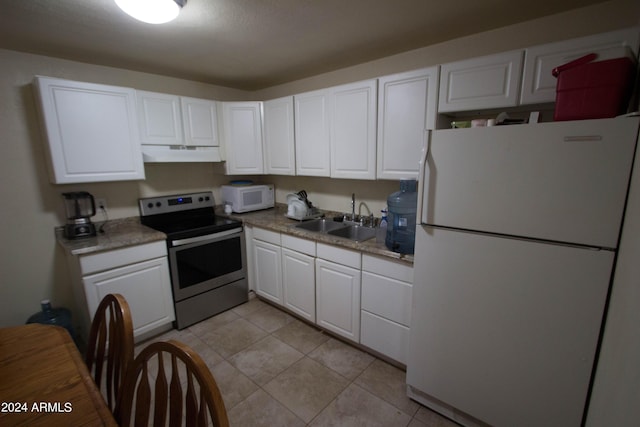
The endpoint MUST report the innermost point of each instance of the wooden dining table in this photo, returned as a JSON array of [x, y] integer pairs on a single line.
[[45, 382]]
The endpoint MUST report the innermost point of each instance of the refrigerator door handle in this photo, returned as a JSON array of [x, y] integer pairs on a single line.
[[422, 177]]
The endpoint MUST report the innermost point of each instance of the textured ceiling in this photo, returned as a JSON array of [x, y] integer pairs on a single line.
[[252, 44]]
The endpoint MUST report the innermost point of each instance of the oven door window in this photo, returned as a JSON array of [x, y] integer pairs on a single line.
[[204, 266]]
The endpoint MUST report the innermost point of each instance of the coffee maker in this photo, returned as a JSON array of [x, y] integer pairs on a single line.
[[80, 207]]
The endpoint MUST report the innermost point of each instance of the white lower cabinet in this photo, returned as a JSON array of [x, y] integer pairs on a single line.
[[338, 291], [267, 266], [363, 298], [298, 276], [386, 306], [140, 273]]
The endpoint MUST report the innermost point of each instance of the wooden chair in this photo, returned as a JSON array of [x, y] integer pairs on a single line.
[[174, 366], [110, 342]]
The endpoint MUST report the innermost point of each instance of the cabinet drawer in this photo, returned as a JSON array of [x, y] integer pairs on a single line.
[[266, 235], [339, 255], [384, 267], [120, 257], [304, 246], [384, 336], [387, 297]]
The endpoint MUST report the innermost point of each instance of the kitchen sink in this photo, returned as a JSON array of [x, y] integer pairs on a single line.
[[356, 232], [321, 225]]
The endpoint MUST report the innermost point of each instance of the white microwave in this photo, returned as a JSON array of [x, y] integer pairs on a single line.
[[247, 198]]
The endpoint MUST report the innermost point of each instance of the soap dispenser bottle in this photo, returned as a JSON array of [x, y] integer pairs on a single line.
[[381, 232]]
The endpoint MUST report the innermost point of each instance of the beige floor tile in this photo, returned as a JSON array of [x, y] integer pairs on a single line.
[[213, 323], [301, 336], [249, 307], [342, 358], [306, 388], [265, 359], [388, 383], [416, 423], [256, 344], [262, 410], [233, 337], [269, 318], [356, 407], [433, 419], [233, 384]]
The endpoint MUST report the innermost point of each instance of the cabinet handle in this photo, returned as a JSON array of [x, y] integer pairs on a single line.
[[581, 138]]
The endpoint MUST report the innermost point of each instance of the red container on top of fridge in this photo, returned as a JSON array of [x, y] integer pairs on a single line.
[[590, 89]]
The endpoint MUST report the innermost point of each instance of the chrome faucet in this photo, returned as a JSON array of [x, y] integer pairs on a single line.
[[353, 206]]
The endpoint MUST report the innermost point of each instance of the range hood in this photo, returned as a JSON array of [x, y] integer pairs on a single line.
[[176, 154]]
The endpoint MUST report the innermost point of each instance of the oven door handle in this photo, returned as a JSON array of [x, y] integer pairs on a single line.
[[214, 236]]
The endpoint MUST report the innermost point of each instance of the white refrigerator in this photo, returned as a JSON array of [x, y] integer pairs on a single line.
[[515, 249]]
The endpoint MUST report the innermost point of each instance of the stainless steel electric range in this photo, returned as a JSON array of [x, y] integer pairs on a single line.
[[207, 257]]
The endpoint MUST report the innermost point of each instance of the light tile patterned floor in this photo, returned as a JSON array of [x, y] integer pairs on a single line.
[[274, 370]]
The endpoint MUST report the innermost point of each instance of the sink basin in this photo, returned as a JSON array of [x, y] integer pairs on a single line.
[[322, 225], [354, 232]]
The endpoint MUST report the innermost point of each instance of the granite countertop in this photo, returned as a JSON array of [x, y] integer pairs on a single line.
[[275, 220], [118, 233]]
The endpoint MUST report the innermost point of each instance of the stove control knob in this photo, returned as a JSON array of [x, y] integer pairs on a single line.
[[158, 204], [200, 199], [149, 205]]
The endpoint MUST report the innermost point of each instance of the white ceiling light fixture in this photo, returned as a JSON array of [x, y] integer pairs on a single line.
[[152, 11]]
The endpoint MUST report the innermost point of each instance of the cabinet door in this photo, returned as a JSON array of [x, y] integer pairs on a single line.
[[145, 285], [298, 282], [312, 124], [159, 118], [338, 299], [480, 83], [353, 130], [539, 85], [91, 130], [200, 120], [243, 137], [407, 104], [268, 270], [279, 143]]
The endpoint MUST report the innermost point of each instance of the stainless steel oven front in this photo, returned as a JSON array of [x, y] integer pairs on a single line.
[[208, 274]]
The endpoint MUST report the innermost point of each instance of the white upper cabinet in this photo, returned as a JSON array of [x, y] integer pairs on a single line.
[[177, 129], [539, 85], [407, 105], [91, 130], [200, 122], [353, 130], [242, 129], [312, 133], [486, 82], [335, 131], [159, 118], [279, 143], [176, 120]]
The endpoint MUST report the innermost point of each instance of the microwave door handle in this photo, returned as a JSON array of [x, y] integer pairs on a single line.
[[423, 180]]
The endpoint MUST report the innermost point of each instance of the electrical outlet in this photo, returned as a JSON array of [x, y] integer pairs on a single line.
[[101, 204]]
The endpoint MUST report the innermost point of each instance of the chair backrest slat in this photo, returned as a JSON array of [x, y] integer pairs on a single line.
[[193, 395], [110, 343]]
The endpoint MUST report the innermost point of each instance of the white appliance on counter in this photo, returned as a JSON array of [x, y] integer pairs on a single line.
[[247, 198], [513, 263]]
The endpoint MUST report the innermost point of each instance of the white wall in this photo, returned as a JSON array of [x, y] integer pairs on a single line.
[[32, 267]]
